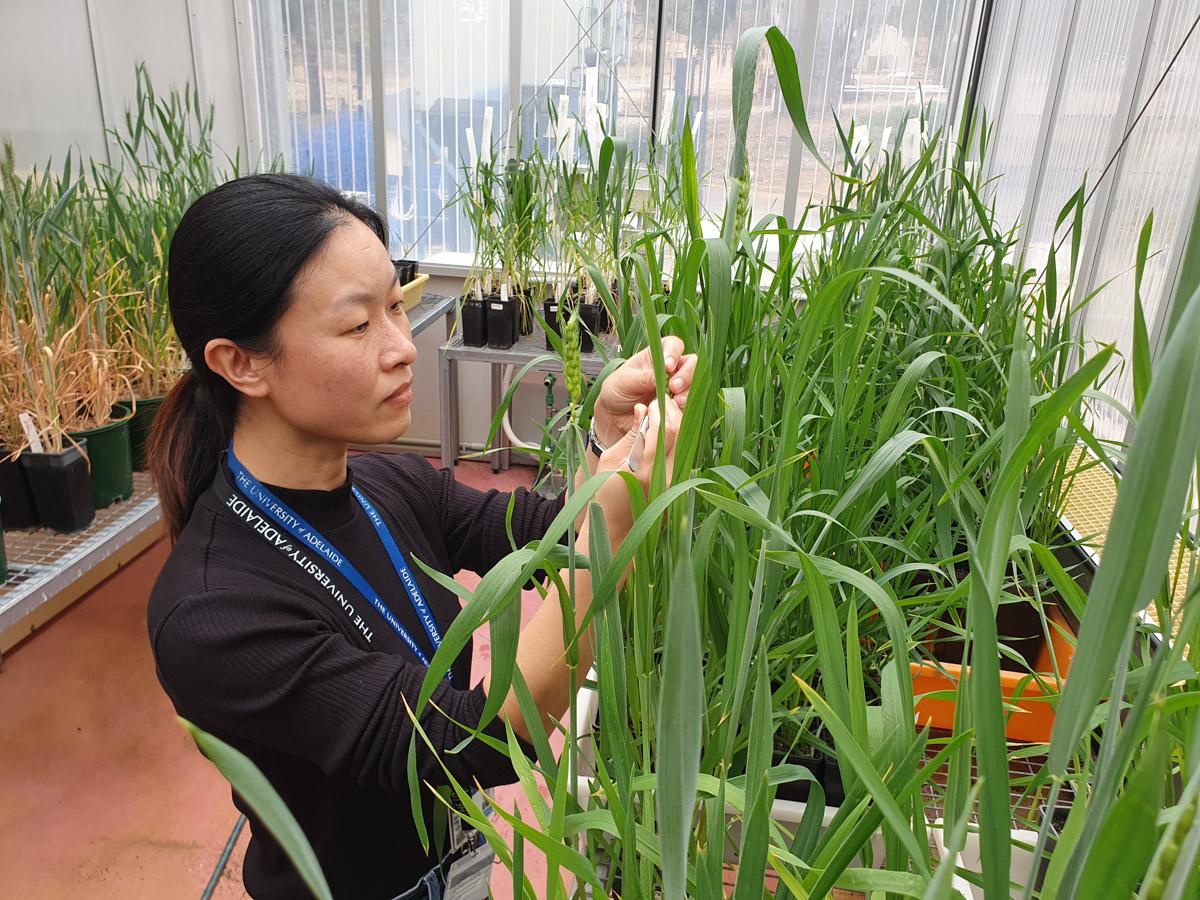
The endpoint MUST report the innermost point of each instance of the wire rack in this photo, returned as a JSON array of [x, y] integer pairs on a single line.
[[1027, 796], [42, 563], [1089, 507]]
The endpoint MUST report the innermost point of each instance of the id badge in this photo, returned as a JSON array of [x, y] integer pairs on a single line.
[[471, 873], [461, 837]]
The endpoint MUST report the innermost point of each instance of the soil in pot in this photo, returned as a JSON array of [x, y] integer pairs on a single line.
[[15, 494], [474, 322], [111, 462], [139, 427], [61, 487], [503, 326]]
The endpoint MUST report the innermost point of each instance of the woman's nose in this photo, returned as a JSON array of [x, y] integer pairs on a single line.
[[400, 349]]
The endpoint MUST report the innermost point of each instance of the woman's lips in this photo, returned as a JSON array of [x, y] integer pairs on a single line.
[[402, 396]]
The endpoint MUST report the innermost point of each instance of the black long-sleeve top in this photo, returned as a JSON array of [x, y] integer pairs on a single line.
[[250, 647]]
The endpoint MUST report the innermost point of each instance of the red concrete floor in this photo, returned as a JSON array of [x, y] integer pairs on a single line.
[[101, 793]]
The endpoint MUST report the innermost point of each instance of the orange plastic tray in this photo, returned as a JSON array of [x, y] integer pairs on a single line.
[[1032, 720]]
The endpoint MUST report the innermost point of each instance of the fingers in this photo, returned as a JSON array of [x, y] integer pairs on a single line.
[[672, 348], [670, 428], [681, 382], [618, 452]]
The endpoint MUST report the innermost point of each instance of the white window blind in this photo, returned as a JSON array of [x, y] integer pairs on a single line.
[[452, 64]]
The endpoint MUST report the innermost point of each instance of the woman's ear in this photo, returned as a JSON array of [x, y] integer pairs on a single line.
[[244, 371]]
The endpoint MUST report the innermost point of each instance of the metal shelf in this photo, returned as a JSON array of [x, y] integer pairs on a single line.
[[428, 311], [44, 564], [530, 348]]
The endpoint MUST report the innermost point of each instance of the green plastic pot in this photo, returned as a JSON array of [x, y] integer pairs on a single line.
[[139, 427], [111, 461]]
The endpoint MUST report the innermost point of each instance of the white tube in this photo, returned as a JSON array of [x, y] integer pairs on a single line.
[[506, 424]]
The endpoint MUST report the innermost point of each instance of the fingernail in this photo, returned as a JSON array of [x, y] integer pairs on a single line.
[[677, 383], [670, 362]]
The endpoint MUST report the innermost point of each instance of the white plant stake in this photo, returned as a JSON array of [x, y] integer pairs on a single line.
[[472, 150], [31, 433], [485, 139]]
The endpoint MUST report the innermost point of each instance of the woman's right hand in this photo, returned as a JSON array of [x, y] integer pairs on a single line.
[[614, 496]]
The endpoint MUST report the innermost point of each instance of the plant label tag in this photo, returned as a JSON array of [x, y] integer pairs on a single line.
[[485, 136], [503, 293], [472, 150], [31, 432]]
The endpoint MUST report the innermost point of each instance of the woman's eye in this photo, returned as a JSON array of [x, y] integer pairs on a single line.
[[398, 306], [359, 329]]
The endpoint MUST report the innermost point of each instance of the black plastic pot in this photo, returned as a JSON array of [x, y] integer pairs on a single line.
[[139, 427], [825, 769], [799, 791], [61, 487], [474, 322], [594, 319], [406, 270], [19, 511], [550, 314], [110, 461], [3, 555], [503, 326]]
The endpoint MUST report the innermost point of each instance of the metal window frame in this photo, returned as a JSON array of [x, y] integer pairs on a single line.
[[968, 74], [378, 108]]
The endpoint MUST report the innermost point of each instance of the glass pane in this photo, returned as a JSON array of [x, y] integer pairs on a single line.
[[1022, 105], [1156, 173], [593, 65], [877, 65], [1091, 93], [318, 118], [445, 71]]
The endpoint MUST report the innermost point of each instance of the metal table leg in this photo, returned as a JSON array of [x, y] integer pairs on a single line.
[[500, 448], [448, 388]]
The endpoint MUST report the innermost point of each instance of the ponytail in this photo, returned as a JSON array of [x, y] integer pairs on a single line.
[[232, 262], [184, 449]]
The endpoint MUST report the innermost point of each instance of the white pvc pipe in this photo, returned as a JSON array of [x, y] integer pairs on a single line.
[[505, 423]]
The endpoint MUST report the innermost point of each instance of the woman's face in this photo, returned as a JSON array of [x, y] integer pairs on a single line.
[[343, 371]]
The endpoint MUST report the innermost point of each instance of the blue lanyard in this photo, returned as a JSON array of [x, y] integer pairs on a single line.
[[309, 537]]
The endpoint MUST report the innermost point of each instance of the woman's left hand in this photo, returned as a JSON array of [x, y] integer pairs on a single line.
[[633, 383]]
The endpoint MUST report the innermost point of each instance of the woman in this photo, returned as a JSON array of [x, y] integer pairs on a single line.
[[290, 619]]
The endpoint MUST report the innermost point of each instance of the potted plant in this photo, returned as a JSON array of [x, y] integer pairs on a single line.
[[19, 511], [43, 243], [503, 318], [473, 316], [98, 422]]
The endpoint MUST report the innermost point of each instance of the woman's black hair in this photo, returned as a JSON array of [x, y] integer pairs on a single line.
[[230, 273]]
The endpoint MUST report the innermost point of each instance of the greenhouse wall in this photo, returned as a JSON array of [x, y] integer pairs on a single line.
[[67, 70]]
